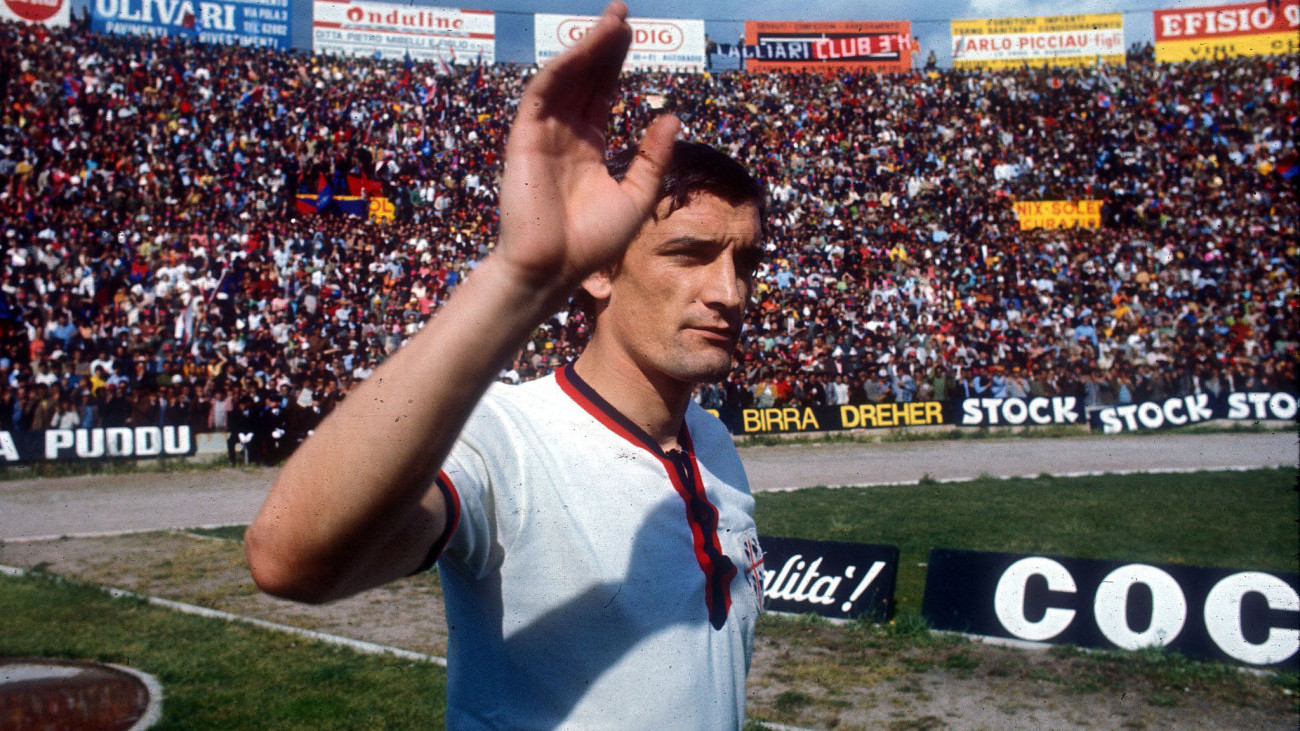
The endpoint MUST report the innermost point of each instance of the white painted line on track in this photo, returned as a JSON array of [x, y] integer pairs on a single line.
[[1031, 475], [117, 533], [369, 648]]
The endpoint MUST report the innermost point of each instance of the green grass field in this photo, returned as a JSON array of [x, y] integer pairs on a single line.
[[223, 676], [1241, 520]]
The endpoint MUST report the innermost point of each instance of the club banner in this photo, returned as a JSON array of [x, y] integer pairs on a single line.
[[56, 445], [882, 46], [1058, 214], [1228, 31], [1194, 409], [793, 419], [42, 12], [1244, 617], [1059, 40], [833, 579], [658, 44], [388, 30], [263, 23]]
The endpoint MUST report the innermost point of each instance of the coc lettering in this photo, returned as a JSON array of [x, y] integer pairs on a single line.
[[1221, 609]]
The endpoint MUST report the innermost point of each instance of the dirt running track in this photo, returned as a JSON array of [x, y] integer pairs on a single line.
[[112, 504]]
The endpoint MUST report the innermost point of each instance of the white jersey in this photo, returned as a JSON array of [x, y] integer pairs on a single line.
[[592, 580]]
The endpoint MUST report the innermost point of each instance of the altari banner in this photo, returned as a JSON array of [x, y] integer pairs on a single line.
[[1060, 40], [387, 30], [1247, 617], [1228, 31], [263, 23], [830, 578], [55, 445], [658, 44], [829, 46]]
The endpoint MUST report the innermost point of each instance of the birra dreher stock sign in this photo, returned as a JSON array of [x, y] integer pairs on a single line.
[[830, 578], [1246, 617], [44, 12], [264, 23]]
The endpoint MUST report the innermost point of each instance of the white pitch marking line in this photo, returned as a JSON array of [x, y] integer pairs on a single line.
[[370, 648]]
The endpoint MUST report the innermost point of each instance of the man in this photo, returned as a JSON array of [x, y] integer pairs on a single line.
[[593, 529]]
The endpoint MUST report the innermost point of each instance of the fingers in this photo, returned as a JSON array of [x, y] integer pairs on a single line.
[[641, 183], [586, 74]]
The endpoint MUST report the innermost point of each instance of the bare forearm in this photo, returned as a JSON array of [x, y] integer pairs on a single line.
[[360, 478]]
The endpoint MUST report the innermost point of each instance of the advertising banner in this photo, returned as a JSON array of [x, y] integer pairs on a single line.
[[1244, 617], [43, 12], [1058, 214], [1058, 40], [392, 31], [1193, 409], [1039, 410], [833, 579], [658, 44], [1227, 31], [56, 445], [883, 46], [263, 23], [831, 418]]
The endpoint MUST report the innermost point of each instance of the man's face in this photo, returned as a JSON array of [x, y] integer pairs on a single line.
[[677, 300]]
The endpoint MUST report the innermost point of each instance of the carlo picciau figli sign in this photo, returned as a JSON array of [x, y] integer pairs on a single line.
[[1243, 617], [830, 578]]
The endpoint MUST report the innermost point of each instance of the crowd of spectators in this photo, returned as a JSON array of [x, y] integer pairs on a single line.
[[159, 267]]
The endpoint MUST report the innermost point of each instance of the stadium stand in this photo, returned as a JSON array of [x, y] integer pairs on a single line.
[[180, 244]]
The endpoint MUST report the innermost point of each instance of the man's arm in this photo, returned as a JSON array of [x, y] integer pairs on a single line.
[[355, 506]]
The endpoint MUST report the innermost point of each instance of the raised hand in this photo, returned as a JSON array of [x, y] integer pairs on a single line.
[[562, 215]]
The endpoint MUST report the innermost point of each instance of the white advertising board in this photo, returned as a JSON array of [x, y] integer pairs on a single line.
[[45, 12], [657, 44], [389, 30]]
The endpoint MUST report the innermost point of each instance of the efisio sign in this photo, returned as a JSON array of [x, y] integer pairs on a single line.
[[44, 12], [1247, 617], [52, 445]]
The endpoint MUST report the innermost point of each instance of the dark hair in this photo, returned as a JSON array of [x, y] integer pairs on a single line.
[[698, 168], [694, 168]]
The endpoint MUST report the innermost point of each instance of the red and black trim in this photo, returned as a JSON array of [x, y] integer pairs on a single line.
[[451, 499], [684, 474]]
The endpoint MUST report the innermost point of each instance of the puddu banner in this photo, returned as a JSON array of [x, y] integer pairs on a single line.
[[57, 445], [1244, 617], [829, 578], [1193, 409], [1227, 31]]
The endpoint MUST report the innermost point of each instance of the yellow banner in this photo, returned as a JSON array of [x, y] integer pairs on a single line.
[[1017, 63], [381, 209], [1058, 214], [1200, 49], [1047, 24]]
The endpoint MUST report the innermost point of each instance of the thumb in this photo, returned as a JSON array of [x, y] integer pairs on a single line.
[[641, 182]]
